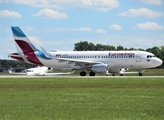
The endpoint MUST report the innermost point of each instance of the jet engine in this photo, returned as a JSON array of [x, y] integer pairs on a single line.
[[100, 68]]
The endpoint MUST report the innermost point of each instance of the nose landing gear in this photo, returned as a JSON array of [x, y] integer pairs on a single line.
[[139, 74]]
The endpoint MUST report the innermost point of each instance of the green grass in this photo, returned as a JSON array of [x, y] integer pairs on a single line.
[[81, 99]]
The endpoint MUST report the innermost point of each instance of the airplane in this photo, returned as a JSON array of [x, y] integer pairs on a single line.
[[39, 71], [104, 62]]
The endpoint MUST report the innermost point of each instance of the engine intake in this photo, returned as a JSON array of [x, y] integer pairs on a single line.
[[50, 68]]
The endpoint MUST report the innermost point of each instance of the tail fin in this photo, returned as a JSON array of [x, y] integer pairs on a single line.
[[23, 44]]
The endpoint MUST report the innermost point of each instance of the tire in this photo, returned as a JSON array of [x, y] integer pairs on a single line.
[[92, 74], [82, 73], [139, 74]]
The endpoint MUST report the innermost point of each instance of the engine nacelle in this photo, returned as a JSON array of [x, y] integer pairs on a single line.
[[100, 68]]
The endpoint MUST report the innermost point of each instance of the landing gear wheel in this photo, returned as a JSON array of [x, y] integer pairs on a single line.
[[121, 74], [83, 73], [139, 70], [139, 74], [92, 74], [113, 74]]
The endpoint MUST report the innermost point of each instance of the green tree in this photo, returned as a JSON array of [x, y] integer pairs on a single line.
[[120, 47], [99, 47], [155, 50], [84, 46]]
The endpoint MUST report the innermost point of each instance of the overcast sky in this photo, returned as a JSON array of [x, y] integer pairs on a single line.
[[58, 24]]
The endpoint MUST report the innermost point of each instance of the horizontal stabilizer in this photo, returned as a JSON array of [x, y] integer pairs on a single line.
[[16, 55], [14, 73]]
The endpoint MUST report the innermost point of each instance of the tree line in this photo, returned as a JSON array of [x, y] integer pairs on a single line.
[[86, 46], [14, 63]]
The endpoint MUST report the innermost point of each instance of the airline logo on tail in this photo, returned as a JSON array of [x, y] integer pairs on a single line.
[[22, 40], [27, 52]]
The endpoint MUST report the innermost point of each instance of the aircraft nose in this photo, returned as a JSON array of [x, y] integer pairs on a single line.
[[159, 62]]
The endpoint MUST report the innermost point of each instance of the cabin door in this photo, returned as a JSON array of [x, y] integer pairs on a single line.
[[138, 57]]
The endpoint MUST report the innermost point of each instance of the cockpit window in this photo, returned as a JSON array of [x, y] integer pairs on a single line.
[[150, 56], [29, 70]]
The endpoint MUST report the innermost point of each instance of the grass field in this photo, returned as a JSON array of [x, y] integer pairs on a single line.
[[82, 99]]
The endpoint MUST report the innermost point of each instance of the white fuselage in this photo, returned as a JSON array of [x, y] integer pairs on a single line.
[[37, 71], [115, 59]]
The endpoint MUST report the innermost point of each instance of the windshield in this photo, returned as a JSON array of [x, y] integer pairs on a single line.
[[29, 70], [150, 56]]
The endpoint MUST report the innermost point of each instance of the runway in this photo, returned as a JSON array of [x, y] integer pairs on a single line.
[[21, 76]]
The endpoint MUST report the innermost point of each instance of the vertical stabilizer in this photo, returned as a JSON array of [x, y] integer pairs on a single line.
[[23, 44]]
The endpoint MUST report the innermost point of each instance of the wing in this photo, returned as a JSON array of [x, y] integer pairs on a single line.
[[78, 61], [66, 73], [13, 73]]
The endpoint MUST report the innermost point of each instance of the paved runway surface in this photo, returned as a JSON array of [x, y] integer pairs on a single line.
[[21, 76]]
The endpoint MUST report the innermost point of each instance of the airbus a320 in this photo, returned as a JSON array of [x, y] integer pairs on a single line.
[[104, 62]]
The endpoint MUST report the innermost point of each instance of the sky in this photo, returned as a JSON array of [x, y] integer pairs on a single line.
[[59, 24]]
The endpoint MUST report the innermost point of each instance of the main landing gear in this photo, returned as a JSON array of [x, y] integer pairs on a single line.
[[92, 73], [83, 73], [140, 73]]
